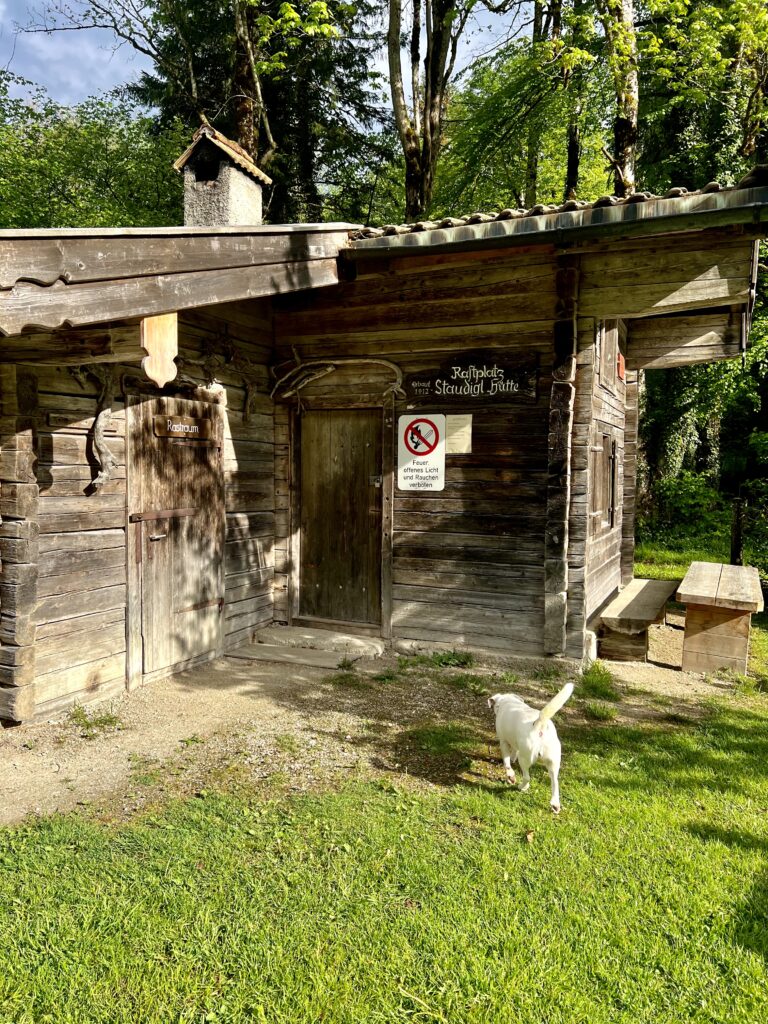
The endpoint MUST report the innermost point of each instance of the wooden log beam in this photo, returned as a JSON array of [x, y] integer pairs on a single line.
[[28, 305], [120, 344], [17, 703], [661, 342], [106, 255], [559, 455]]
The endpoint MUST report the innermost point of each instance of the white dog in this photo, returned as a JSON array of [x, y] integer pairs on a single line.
[[527, 736]]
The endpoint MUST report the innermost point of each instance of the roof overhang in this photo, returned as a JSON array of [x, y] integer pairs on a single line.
[[54, 278], [746, 208]]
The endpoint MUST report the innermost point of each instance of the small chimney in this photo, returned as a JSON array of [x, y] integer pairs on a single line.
[[222, 185]]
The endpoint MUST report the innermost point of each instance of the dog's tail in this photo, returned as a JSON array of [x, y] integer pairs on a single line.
[[551, 709]]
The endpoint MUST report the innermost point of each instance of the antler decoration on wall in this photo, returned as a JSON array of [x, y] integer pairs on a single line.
[[304, 373]]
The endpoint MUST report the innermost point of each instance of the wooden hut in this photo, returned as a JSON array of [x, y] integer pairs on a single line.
[[283, 468]]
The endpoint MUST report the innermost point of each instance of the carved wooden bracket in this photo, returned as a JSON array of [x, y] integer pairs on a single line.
[[160, 340]]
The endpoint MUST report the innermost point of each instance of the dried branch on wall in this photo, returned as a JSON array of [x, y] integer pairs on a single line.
[[105, 375]]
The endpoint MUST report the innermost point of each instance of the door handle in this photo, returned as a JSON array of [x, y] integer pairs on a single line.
[[158, 536]]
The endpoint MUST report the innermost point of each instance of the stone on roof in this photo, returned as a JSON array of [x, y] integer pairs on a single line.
[[756, 178]]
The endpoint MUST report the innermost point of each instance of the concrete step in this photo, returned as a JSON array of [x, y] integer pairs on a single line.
[[321, 640], [287, 655]]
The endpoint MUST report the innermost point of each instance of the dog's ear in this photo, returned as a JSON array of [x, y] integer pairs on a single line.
[[492, 702]]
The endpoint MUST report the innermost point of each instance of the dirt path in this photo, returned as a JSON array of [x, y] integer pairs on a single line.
[[267, 722]]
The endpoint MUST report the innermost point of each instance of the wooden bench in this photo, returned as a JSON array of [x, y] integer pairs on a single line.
[[623, 631], [720, 600]]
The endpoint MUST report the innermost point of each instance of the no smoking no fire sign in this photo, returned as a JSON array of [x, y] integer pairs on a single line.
[[421, 453]]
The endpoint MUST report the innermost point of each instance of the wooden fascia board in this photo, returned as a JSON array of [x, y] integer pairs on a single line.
[[77, 259], [29, 305], [113, 343], [699, 336]]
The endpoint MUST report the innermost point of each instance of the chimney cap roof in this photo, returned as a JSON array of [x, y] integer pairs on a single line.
[[236, 153]]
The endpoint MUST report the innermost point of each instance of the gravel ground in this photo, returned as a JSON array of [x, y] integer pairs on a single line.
[[236, 721]]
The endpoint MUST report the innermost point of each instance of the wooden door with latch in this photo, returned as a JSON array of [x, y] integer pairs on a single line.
[[341, 515], [176, 516]]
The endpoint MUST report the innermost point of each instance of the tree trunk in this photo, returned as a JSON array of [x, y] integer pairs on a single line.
[[533, 135], [574, 155], [618, 18]]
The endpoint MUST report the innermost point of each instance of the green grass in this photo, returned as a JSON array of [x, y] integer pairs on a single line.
[[597, 681], [645, 901], [437, 659], [91, 724], [599, 712]]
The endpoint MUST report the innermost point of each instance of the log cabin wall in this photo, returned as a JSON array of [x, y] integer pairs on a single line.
[[606, 469], [64, 631], [467, 562], [245, 330]]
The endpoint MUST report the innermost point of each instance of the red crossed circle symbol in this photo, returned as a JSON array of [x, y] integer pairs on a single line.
[[421, 437]]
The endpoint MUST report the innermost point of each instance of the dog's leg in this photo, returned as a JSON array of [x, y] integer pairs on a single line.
[[553, 767], [525, 785], [508, 757]]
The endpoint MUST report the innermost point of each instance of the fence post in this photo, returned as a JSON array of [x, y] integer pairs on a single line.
[[737, 532]]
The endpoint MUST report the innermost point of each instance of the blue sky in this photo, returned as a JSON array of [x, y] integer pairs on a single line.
[[70, 65], [74, 65]]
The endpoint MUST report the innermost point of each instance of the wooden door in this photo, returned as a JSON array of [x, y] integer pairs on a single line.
[[341, 509], [178, 524]]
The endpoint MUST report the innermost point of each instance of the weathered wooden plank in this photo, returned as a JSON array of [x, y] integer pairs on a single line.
[[739, 587], [19, 501], [48, 308], [57, 654], [19, 550], [79, 521], [665, 296], [89, 540], [47, 634], [77, 260], [700, 584], [638, 605], [241, 556], [54, 504], [74, 348], [82, 580], [69, 561], [715, 638], [78, 678], [17, 627], [473, 639], [18, 598], [500, 600], [463, 523], [72, 449], [617, 646], [506, 307], [66, 606], [17, 465]]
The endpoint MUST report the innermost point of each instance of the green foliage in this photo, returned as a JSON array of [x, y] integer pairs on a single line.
[[598, 712], [597, 681], [511, 101], [92, 724], [100, 163]]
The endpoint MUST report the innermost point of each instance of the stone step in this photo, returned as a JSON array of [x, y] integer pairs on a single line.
[[321, 640], [287, 655]]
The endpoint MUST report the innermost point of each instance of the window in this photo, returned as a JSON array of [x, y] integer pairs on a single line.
[[603, 477], [608, 340]]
